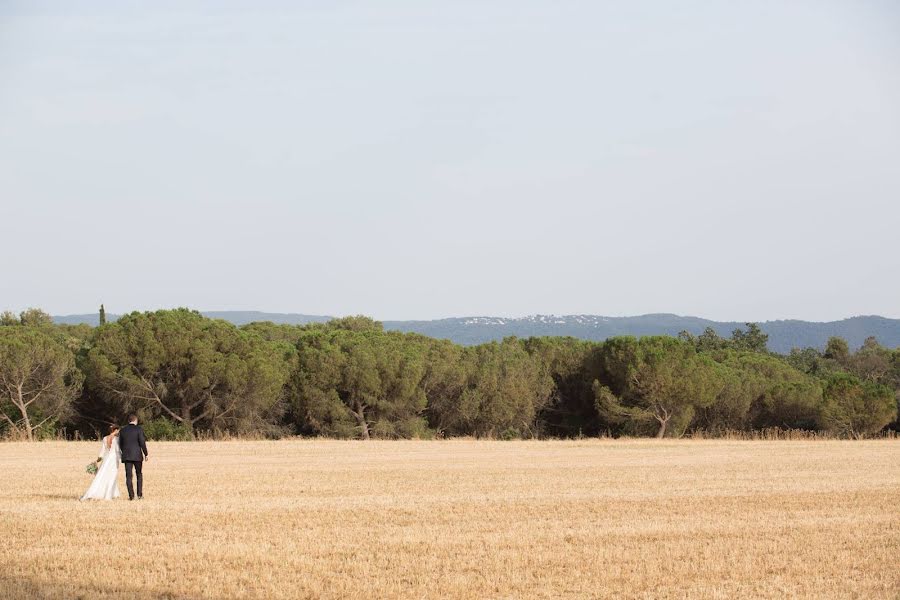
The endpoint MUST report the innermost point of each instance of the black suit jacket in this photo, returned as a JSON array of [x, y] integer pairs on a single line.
[[132, 443]]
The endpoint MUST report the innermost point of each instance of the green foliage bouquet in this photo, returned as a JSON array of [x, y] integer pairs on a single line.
[[91, 469]]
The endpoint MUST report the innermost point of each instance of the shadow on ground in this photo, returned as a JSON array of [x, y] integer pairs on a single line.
[[23, 587]]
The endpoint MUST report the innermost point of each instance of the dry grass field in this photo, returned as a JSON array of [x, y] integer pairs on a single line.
[[459, 519]]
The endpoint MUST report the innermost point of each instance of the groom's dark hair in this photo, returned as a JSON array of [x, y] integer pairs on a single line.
[[132, 417]]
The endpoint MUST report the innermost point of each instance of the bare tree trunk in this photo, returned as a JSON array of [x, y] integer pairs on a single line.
[[662, 428], [186, 419], [360, 414], [662, 415], [23, 408]]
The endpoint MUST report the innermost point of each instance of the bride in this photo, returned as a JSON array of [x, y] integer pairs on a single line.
[[104, 486]]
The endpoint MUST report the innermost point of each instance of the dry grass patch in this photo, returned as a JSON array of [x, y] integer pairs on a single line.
[[459, 519]]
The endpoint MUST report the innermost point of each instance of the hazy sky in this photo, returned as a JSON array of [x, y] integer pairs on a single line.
[[732, 160]]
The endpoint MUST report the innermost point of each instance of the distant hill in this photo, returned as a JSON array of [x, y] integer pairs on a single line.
[[238, 317], [250, 316], [783, 335]]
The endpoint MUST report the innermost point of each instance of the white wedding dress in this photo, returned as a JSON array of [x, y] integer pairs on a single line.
[[105, 486]]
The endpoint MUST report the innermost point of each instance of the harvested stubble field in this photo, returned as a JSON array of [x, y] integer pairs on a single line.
[[459, 519]]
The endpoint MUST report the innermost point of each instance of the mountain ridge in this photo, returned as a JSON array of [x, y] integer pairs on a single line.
[[784, 334]]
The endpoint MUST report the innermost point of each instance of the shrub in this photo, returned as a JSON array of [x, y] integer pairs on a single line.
[[510, 433], [161, 430]]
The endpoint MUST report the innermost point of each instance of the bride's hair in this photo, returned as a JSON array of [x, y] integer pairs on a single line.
[[113, 429]]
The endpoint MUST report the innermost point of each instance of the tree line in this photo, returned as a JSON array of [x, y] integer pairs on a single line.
[[186, 374]]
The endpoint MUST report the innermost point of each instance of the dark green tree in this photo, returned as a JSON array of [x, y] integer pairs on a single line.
[[445, 377], [871, 362], [855, 408], [31, 317], [359, 382], [38, 380], [355, 323], [894, 382], [709, 341], [837, 350], [573, 366], [277, 332], [506, 388], [655, 379], [807, 360], [782, 396], [752, 340], [730, 410], [196, 371]]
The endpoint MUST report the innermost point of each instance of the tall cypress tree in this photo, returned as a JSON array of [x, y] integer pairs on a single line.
[[102, 315]]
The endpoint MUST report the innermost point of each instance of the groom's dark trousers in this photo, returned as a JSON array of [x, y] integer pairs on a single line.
[[137, 464]]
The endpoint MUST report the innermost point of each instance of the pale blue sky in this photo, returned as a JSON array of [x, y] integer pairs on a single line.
[[732, 160]]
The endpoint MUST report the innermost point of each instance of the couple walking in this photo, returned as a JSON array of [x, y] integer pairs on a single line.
[[128, 445]]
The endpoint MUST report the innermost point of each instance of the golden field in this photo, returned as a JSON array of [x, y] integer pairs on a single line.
[[458, 519]]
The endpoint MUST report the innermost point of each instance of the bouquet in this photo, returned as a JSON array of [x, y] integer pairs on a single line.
[[91, 469]]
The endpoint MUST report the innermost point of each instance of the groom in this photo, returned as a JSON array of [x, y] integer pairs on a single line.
[[134, 450]]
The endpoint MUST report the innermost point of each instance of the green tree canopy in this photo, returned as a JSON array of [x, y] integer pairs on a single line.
[[709, 340], [179, 365], [573, 366], [505, 389], [856, 408], [752, 340], [359, 382], [275, 332], [350, 378], [31, 317], [657, 378], [38, 379], [837, 350], [782, 396], [871, 362], [355, 323]]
